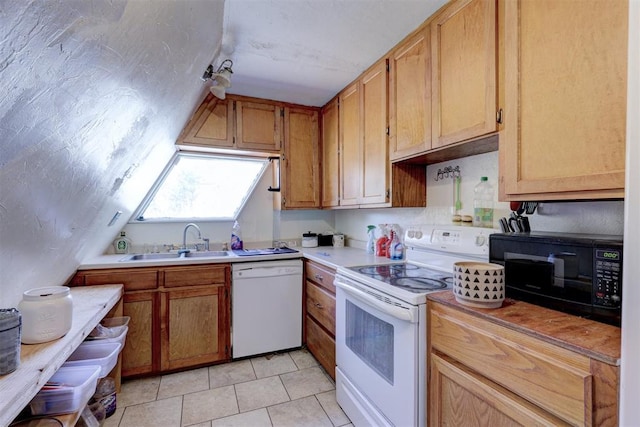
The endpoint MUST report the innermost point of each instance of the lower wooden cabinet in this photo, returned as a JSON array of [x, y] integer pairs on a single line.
[[320, 314], [483, 373], [180, 316]]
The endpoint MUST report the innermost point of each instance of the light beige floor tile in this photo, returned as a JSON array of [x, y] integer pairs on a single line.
[[208, 405], [257, 418], [183, 382], [306, 382], [268, 366], [115, 418], [231, 373], [331, 407], [161, 413], [138, 391], [303, 359], [305, 412], [205, 424], [260, 393]]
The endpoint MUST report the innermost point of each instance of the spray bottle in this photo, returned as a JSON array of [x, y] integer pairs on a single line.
[[396, 248], [382, 242], [371, 242]]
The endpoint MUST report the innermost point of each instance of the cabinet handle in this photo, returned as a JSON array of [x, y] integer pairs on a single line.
[[318, 277], [499, 116], [318, 305]]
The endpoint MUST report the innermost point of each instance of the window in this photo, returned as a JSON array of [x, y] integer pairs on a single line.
[[201, 186]]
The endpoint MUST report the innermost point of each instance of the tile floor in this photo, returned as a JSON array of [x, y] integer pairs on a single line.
[[289, 389]]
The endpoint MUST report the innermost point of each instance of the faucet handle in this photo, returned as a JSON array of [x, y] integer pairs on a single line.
[[206, 243]]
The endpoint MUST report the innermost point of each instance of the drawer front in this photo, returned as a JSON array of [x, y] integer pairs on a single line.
[[132, 279], [323, 276], [557, 380], [322, 346], [322, 306], [195, 276]]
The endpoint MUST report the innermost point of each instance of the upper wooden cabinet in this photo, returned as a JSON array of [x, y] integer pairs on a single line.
[[330, 154], [258, 126], [350, 144], [410, 96], [300, 165], [463, 71], [235, 123], [565, 93]]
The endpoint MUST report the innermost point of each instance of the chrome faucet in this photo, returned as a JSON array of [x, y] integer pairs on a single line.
[[184, 249]]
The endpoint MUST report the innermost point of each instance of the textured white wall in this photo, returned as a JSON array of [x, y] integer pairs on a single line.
[[94, 94]]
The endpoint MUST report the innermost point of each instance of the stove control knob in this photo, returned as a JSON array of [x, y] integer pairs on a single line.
[[418, 234], [480, 240], [411, 234]]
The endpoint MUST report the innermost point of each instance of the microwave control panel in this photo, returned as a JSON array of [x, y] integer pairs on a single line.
[[608, 274]]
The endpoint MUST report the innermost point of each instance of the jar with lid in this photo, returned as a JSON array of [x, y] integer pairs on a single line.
[[309, 240], [10, 321], [46, 314]]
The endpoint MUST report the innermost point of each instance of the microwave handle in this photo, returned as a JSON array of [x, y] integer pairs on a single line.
[[398, 313]]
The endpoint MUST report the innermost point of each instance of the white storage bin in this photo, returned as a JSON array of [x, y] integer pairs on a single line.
[[74, 386], [104, 355], [117, 334]]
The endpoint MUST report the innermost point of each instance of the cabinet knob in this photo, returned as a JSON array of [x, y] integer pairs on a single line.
[[319, 277], [318, 305]]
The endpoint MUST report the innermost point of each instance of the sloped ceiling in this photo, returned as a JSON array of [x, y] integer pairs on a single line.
[[95, 93]]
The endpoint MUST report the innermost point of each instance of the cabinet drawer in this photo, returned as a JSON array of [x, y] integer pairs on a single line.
[[321, 275], [132, 279], [322, 346], [555, 379], [322, 306], [195, 276]]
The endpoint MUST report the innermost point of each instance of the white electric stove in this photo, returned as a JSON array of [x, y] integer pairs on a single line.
[[381, 324]]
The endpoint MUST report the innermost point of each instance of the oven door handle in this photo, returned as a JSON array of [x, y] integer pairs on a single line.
[[392, 310]]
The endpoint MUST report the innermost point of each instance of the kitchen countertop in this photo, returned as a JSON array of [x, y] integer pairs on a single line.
[[327, 255], [590, 338], [38, 362]]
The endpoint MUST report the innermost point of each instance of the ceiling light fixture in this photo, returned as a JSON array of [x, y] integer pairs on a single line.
[[221, 78]]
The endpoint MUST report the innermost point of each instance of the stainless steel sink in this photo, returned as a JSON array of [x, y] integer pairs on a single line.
[[194, 254], [203, 254], [143, 257]]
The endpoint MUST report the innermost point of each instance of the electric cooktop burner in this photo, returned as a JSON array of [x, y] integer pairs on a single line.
[[410, 277]]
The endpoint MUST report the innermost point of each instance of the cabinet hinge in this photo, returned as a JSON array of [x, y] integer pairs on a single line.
[[388, 67], [226, 350], [387, 130], [499, 116], [282, 112], [234, 140], [388, 193]]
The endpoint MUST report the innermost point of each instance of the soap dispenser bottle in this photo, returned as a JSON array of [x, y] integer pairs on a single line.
[[371, 242], [122, 244]]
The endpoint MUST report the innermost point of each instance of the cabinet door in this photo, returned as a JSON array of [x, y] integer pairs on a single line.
[[410, 96], [141, 353], [374, 161], [565, 99], [195, 326], [350, 144], [322, 345], [464, 56], [211, 125], [301, 163], [258, 126], [460, 397], [330, 155]]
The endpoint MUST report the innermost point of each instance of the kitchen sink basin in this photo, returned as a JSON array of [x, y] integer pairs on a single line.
[[146, 257], [174, 255], [203, 254]]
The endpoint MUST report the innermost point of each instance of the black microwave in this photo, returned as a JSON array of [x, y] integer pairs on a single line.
[[579, 274]]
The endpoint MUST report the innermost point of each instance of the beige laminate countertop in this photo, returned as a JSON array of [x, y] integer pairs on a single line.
[[588, 337], [38, 362], [327, 255]]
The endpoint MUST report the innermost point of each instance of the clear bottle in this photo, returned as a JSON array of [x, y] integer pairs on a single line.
[[371, 242], [483, 204], [236, 237], [396, 249]]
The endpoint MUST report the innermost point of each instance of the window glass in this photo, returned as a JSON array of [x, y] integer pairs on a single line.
[[202, 186]]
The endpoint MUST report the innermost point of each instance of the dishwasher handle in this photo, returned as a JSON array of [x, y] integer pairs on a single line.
[[271, 271]]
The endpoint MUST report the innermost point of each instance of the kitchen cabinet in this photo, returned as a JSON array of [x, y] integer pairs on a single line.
[[330, 154], [482, 372], [300, 165], [464, 71], [236, 123], [410, 96], [164, 304], [350, 145], [565, 100], [320, 314]]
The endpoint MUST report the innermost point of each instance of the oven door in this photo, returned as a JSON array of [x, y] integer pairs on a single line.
[[380, 376]]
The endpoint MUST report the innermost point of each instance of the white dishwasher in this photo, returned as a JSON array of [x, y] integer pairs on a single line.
[[266, 306]]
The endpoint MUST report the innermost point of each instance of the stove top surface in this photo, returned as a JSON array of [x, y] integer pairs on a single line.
[[410, 277]]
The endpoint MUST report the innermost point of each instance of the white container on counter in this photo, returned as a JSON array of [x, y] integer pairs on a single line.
[[46, 314], [309, 240]]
